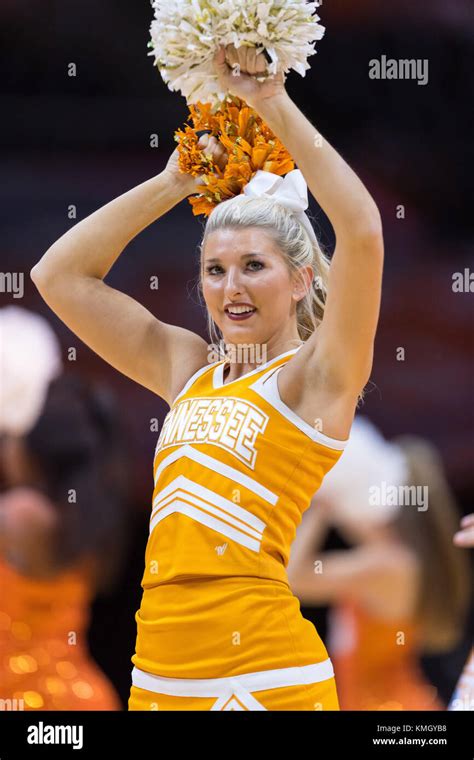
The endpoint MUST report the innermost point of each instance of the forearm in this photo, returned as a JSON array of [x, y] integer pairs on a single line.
[[310, 535], [311, 582], [340, 193], [91, 247]]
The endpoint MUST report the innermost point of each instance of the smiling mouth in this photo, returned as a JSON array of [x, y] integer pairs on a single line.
[[240, 316]]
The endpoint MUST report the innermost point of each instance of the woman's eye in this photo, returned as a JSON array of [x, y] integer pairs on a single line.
[[259, 264], [211, 269]]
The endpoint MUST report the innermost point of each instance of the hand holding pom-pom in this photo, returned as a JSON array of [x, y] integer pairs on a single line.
[[239, 71], [186, 33], [210, 147], [240, 145]]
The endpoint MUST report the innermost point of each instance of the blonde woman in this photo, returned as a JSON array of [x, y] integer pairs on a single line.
[[246, 443]]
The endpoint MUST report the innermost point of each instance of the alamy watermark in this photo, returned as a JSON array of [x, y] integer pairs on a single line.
[[463, 282], [406, 68], [11, 704], [237, 353], [42, 733], [12, 282], [387, 494]]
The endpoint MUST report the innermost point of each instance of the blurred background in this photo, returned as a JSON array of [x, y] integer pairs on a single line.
[[83, 140]]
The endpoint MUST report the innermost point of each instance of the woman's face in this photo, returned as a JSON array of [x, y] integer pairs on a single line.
[[244, 266]]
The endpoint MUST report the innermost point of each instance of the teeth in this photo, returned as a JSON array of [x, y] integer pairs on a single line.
[[240, 309]]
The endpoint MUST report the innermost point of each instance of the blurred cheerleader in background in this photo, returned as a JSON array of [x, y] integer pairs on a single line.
[[61, 521], [403, 589]]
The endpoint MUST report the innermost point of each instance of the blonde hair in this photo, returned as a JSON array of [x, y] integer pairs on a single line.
[[294, 243]]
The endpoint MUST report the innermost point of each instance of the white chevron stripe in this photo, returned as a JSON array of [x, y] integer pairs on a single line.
[[179, 494], [238, 698], [215, 499], [209, 522], [217, 466]]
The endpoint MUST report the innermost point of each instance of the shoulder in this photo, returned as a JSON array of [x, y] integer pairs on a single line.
[[186, 353], [194, 359], [305, 387]]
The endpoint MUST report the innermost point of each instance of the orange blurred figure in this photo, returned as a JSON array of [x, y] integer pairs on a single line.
[[61, 522]]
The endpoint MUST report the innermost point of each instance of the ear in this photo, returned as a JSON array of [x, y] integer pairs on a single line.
[[302, 282]]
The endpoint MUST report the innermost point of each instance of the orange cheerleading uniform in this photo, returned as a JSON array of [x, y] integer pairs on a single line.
[[376, 662], [45, 662], [218, 627]]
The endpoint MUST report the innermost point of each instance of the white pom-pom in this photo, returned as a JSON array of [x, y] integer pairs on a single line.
[[30, 357], [186, 33]]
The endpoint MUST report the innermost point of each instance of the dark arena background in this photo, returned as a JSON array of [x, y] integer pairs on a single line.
[[82, 140]]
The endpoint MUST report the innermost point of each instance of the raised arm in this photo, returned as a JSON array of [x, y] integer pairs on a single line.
[[119, 329], [343, 347], [345, 339]]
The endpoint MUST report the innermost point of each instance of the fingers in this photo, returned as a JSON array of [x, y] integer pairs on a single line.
[[217, 151], [261, 63], [232, 56], [203, 141], [256, 62], [211, 147], [251, 60], [220, 55], [244, 57], [222, 69], [465, 536]]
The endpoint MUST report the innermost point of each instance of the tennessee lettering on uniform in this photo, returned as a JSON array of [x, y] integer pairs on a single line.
[[231, 423], [218, 626]]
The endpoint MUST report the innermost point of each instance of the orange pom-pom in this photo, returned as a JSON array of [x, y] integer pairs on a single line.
[[249, 142]]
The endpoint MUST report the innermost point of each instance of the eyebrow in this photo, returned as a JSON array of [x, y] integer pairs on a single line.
[[244, 256]]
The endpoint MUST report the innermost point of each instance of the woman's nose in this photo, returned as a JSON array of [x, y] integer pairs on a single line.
[[232, 281]]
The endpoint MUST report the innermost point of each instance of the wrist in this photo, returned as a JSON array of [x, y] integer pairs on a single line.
[[182, 184], [272, 106]]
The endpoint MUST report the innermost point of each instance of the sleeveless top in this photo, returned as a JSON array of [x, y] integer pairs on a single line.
[[234, 470]]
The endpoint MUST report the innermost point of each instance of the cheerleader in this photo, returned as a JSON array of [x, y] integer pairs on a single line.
[[59, 548], [402, 589], [249, 437]]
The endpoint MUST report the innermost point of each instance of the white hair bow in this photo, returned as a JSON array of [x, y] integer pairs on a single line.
[[291, 191]]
